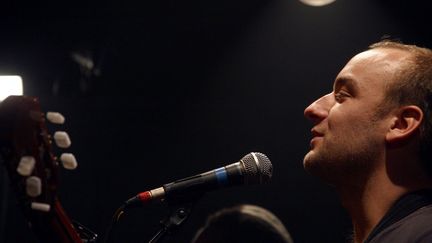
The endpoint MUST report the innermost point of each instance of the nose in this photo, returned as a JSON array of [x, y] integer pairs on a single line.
[[319, 109]]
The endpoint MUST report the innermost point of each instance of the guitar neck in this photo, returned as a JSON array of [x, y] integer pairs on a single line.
[[25, 149]]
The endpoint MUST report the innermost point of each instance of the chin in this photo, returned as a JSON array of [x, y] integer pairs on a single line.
[[309, 161], [311, 156], [316, 165]]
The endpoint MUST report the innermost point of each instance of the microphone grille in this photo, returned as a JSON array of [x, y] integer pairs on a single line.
[[257, 168]]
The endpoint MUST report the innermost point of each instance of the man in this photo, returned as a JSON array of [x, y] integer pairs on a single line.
[[372, 140]]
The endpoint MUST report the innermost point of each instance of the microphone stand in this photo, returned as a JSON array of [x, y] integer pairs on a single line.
[[177, 215]]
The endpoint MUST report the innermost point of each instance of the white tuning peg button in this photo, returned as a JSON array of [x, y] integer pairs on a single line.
[[55, 117], [68, 160], [44, 207], [33, 186], [26, 165], [62, 139]]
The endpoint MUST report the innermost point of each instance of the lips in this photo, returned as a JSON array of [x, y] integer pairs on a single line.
[[315, 137], [315, 133]]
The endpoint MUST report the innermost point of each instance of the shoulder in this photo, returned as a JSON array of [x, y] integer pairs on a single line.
[[415, 227]]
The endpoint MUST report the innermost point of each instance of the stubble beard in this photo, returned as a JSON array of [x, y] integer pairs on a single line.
[[341, 163]]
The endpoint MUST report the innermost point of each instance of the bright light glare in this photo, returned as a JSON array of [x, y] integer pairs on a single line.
[[10, 85], [317, 3]]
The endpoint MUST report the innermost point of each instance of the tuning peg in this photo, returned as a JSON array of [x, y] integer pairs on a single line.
[[44, 207], [62, 139], [55, 117], [33, 186], [26, 165], [68, 160]]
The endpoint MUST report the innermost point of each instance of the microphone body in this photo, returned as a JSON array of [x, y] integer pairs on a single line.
[[251, 169]]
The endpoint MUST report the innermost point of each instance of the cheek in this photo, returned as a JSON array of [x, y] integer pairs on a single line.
[[347, 123]]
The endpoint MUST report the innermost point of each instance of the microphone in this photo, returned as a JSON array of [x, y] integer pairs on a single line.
[[253, 168]]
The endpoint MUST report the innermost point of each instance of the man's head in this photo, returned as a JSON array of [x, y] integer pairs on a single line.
[[379, 99]]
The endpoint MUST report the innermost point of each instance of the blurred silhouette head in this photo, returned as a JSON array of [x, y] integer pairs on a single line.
[[243, 223]]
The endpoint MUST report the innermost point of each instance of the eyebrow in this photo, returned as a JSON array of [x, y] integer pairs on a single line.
[[345, 81]]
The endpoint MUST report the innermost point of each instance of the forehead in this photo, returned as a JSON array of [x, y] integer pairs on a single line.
[[372, 69]]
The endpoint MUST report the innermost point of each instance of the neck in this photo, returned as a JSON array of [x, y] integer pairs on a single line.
[[367, 205], [368, 200]]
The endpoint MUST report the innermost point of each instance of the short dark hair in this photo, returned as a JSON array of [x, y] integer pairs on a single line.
[[244, 223], [413, 86]]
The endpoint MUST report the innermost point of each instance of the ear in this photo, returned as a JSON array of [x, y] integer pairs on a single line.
[[405, 123]]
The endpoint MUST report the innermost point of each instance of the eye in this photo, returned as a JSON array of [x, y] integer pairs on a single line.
[[340, 96]]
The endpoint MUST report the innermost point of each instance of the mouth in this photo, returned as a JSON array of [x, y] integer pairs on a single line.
[[315, 133], [316, 137]]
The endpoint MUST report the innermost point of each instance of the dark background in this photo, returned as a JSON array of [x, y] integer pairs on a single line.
[[182, 87]]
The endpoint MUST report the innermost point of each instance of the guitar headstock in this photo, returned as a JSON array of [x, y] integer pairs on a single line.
[[26, 152]]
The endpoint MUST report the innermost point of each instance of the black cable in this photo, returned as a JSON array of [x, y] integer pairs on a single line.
[[109, 238]]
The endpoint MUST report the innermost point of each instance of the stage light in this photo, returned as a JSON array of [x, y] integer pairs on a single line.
[[317, 3], [10, 85]]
